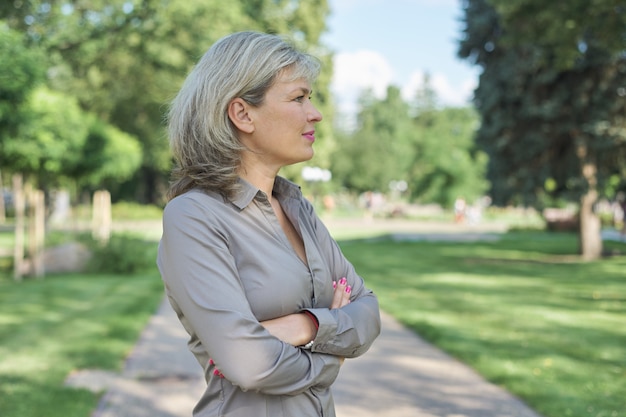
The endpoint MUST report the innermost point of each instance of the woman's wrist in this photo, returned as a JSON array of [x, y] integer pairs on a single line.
[[312, 329], [313, 318]]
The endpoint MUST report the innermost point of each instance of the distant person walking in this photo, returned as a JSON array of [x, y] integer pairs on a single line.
[[459, 210], [622, 204]]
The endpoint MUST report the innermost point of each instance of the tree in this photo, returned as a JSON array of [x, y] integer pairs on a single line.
[[125, 59], [552, 100], [379, 151], [446, 164], [63, 144], [109, 157], [428, 147], [21, 70]]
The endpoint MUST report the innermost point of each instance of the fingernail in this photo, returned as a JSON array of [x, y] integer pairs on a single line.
[[216, 372], [348, 288], [334, 284], [211, 362], [343, 281]]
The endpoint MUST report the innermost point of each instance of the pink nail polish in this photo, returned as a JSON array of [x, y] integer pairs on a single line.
[[216, 373], [334, 284], [343, 281], [348, 288]]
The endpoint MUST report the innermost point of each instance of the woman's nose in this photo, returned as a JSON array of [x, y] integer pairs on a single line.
[[314, 114]]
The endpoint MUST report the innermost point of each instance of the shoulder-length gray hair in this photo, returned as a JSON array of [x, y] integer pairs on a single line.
[[204, 142]]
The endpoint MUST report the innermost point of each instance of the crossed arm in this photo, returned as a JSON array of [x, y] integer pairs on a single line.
[[298, 329]]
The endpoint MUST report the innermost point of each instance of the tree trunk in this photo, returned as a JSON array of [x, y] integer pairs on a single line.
[[589, 232], [3, 212], [590, 239]]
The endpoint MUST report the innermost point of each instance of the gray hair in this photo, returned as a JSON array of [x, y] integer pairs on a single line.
[[204, 142]]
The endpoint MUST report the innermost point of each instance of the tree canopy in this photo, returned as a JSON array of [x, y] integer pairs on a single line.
[[430, 148], [21, 70], [123, 60], [551, 99]]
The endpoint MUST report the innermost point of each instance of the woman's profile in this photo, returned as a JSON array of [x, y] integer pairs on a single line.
[[271, 305]]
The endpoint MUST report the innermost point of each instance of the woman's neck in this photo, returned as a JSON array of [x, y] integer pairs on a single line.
[[259, 176]]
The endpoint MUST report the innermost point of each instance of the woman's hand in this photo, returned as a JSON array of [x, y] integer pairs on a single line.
[[341, 297]]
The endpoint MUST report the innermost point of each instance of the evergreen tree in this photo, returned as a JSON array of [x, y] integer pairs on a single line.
[[552, 100]]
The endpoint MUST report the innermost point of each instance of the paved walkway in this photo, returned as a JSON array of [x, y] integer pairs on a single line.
[[401, 376]]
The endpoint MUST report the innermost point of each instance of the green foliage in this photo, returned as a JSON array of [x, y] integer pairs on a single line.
[[109, 156], [125, 60], [430, 148], [446, 164], [522, 311], [61, 142], [551, 96], [21, 70], [122, 254], [379, 150], [51, 143], [582, 24], [54, 326], [124, 210]]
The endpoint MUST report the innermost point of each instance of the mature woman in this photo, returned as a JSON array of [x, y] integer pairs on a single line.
[[271, 305]]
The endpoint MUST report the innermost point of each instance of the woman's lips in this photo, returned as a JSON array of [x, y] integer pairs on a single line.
[[309, 135]]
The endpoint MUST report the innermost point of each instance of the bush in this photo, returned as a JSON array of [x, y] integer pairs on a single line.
[[135, 211], [123, 254]]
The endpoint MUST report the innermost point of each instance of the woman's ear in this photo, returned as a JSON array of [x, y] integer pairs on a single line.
[[238, 113]]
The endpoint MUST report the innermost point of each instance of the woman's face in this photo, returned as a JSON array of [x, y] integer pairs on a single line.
[[284, 125]]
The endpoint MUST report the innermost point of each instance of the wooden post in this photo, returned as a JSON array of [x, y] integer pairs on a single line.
[[3, 209], [18, 252], [101, 220], [36, 232]]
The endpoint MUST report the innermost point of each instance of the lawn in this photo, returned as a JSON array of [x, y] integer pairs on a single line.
[[523, 311], [52, 326]]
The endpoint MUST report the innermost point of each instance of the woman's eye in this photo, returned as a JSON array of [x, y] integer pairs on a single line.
[[299, 99]]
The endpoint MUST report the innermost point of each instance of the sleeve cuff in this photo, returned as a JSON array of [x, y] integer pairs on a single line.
[[327, 327]]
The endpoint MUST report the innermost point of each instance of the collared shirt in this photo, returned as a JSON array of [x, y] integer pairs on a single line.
[[227, 265]]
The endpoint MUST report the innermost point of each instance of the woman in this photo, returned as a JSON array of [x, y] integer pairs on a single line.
[[271, 305]]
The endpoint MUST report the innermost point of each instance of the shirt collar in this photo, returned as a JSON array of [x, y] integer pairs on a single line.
[[246, 192]]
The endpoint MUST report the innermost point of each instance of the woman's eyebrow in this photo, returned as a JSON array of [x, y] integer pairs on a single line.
[[304, 90]]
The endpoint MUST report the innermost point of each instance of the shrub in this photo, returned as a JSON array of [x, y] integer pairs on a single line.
[[123, 254]]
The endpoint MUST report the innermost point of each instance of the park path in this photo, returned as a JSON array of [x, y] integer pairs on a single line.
[[400, 376]]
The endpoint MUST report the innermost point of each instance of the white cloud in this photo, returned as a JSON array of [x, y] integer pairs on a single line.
[[452, 95], [416, 81], [357, 71], [351, 4], [447, 94]]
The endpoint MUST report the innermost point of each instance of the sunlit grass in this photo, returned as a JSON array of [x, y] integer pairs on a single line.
[[52, 326], [525, 312]]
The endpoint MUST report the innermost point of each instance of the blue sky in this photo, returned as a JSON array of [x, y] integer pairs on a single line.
[[382, 42]]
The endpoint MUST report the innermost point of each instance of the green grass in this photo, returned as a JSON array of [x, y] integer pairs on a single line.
[[524, 312], [52, 326]]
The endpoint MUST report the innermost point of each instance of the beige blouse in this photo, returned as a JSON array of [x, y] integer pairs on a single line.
[[227, 265]]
